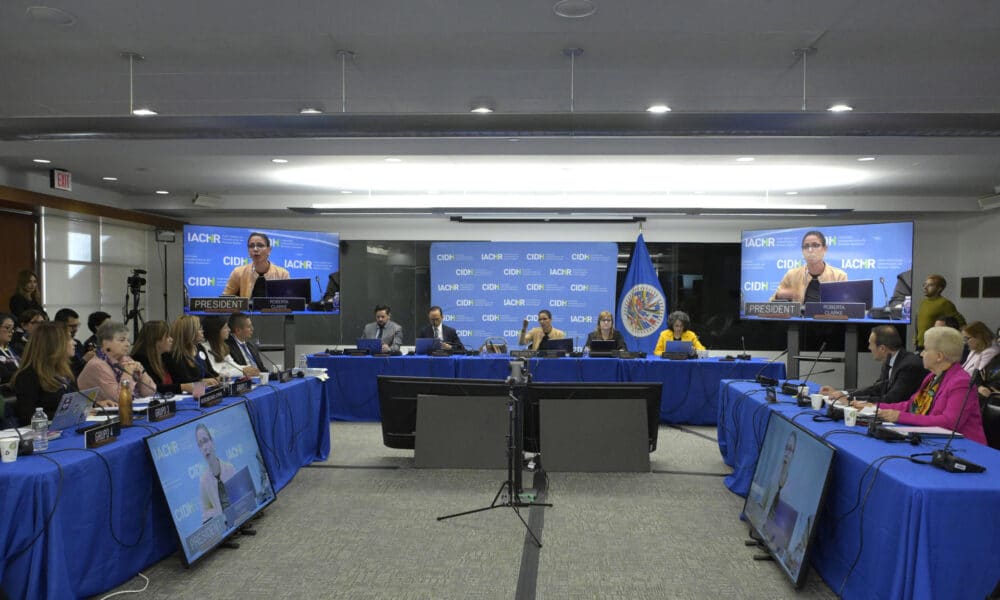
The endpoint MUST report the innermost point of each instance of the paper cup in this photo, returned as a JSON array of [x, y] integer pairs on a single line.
[[197, 389], [8, 449], [817, 401], [850, 416], [264, 376]]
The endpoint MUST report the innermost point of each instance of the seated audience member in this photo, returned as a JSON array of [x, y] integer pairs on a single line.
[[544, 332], [981, 344], [187, 362], [390, 332], [71, 319], [155, 341], [901, 373], [112, 365], [28, 320], [45, 374], [953, 322], [94, 320], [941, 395], [248, 280], [10, 361], [241, 348], [438, 330], [27, 295], [678, 323], [988, 379], [904, 288], [606, 331], [217, 350], [801, 284]]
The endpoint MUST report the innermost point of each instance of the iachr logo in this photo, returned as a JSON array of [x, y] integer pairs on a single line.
[[204, 238]]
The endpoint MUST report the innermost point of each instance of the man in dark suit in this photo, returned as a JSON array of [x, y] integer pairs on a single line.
[[902, 371], [438, 330], [243, 351]]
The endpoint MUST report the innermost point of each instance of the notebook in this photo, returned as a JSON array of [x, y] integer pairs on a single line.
[[73, 408], [426, 345], [373, 346]]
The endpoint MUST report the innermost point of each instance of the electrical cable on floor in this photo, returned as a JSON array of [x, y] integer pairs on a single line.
[[139, 591]]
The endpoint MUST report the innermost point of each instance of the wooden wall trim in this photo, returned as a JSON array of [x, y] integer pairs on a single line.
[[31, 201]]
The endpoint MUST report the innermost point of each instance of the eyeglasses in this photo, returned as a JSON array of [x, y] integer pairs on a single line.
[[606, 320], [256, 246], [812, 246]]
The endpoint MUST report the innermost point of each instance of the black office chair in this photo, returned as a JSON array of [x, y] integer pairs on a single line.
[[991, 421], [8, 414]]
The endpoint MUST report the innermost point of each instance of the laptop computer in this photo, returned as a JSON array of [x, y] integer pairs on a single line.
[[556, 347], [847, 291], [373, 346], [678, 350], [288, 288], [603, 348], [73, 408], [424, 346]]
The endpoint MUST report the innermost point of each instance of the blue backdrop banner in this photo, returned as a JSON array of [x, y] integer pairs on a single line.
[[487, 289], [211, 253], [642, 309]]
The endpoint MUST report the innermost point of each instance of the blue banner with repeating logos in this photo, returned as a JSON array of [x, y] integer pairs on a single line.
[[211, 253], [881, 253], [487, 289]]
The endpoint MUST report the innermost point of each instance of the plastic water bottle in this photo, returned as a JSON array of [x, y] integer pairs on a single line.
[[906, 307], [40, 428], [302, 363], [336, 301]]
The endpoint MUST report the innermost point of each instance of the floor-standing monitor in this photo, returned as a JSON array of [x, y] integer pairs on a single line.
[[213, 476], [787, 492]]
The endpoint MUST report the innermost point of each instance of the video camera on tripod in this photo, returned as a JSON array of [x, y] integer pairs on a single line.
[[136, 281]]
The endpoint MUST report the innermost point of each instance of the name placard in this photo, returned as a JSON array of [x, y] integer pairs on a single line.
[[102, 434], [835, 310], [225, 304], [772, 310], [240, 387], [279, 304], [161, 410], [211, 397]]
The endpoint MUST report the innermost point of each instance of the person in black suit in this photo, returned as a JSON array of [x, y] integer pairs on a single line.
[[902, 371], [437, 329], [243, 351]]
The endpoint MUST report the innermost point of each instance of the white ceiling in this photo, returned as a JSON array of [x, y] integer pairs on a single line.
[[253, 57]]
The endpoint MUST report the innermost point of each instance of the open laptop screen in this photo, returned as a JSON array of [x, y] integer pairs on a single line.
[[859, 290], [288, 288]]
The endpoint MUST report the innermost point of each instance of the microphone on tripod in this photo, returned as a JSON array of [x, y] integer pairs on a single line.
[[764, 379], [945, 458], [743, 356]]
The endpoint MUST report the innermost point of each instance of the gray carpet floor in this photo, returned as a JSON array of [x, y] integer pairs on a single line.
[[363, 525]]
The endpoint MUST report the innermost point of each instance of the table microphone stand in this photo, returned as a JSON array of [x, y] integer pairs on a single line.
[[519, 378]]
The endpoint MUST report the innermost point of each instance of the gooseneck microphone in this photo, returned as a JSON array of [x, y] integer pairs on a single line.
[[319, 286], [764, 379], [793, 390], [945, 458], [743, 356]]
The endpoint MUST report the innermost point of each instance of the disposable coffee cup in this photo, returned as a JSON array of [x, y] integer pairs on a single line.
[[8, 449], [264, 376], [850, 416], [817, 401]]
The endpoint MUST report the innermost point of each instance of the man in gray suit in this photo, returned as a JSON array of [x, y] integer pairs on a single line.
[[389, 332]]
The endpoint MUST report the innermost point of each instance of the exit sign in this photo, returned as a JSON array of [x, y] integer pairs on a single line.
[[61, 180]]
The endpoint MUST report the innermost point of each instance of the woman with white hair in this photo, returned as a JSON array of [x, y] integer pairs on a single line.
[[942, 395]]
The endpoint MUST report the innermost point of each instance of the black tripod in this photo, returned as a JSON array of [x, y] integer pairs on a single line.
[[517, 381], [134, 286]]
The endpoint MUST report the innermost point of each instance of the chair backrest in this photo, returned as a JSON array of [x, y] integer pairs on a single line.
[[991, 423]]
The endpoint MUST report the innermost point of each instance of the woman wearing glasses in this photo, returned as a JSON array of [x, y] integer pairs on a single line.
[[27, 295], [10, 360], [801, 284], [112, 365], [248, 280], [606, 331], [979, 338]]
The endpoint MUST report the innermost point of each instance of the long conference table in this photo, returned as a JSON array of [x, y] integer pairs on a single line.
[[68, 531], [891, 528], [690, 387]]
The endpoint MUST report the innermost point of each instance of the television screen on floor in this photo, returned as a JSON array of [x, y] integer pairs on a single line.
[[787, 492], [777, 265], [213, 477]]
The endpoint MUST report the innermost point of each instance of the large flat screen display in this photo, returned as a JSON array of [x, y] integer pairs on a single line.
[[787, 492], [857, 265], [212, 253], [213, 476]]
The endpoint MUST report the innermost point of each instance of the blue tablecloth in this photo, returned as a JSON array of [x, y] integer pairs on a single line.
[[690, 387], [76, 553], [927, 533]]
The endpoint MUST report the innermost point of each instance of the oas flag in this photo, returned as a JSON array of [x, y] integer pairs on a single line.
[[642, 309]]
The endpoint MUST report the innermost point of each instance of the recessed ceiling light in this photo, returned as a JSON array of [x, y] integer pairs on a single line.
[[574, 9], [310, 111], [144, 112], [280, 161], [745, 159], [866, 159], [393, 159], [109, 178], [658, 109], [791, 193], [162, 192], [482, 110], [41, 161], [346, 192], [52, 16], [513, 139], [840, 108]]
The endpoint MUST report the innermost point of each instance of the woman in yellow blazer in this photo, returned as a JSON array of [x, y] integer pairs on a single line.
[[678, 323]]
